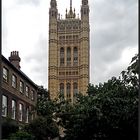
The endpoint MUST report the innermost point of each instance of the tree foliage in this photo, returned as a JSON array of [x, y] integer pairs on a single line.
[[43, 127], [21, 135], [8, 126], [108, 112]]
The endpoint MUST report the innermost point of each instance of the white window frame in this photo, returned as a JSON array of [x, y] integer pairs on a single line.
[[5, 74], [20, 112], [32, 95], [13, 109], [14, 81], [21, 86], [4, 105], [27, 91], [27, 115]]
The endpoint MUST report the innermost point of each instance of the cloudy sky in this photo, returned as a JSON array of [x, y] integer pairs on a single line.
[[113, 35]]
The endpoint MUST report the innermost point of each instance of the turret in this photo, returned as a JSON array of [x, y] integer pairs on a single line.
[[53, 55], [84, 2], [85, 9], [15, 59], [53, 9], [85, 45]]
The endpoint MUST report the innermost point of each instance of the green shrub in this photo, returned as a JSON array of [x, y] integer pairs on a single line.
[[21, 135]]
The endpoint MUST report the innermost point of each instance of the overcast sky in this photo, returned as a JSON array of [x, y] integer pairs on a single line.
[[113, 35]]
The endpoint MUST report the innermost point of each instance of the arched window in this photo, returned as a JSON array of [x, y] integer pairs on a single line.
[[68, 90], [75, 56], [62, 56], [68, 56], [61, 88], [75, 88]]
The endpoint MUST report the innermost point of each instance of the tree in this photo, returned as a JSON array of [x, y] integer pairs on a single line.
[[8, 126], [110, 111], [21, 135], [43, 127]]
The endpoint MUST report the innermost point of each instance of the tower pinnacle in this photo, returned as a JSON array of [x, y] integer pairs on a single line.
[[53, 4], [71, 14], [70, 4]]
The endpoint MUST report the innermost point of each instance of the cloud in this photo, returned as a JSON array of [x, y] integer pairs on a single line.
[[114, 28], [113, 35], [31, 2], [38, 62]]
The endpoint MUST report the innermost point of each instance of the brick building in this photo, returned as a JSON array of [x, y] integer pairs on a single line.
[[19, 93], [69, 51]]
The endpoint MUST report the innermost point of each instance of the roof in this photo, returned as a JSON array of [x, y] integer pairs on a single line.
[[23, 75]]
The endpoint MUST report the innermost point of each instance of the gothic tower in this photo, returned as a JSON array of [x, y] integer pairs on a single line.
[[69, 51]]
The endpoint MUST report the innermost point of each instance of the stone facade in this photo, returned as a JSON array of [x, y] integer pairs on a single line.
[[69, 51]]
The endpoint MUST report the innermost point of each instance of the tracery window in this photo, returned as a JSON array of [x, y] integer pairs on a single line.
[[68, 56], [68, 90], [61, 56], [75, 88], [61, 88], [75, 56]]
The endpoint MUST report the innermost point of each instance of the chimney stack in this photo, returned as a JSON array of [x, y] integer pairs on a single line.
[[15, 59]]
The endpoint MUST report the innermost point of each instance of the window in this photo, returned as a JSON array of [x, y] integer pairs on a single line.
[[5, 74], [4, 105], [13, 109], [68, 90], [32, 95], [14, 81], [68, 56], [32, 116], [21, 87], [27, 115], [61, 56], [32, 113], [75, 57], [20, 112], [75, 88], [61, 88], [27, 91]]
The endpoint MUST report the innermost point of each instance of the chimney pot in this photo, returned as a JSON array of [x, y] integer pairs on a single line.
[[15, 59]]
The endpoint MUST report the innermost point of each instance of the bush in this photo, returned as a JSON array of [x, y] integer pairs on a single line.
[[21, 135], [8, 126]]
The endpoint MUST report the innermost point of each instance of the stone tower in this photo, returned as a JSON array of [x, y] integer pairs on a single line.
[[69, 51]]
